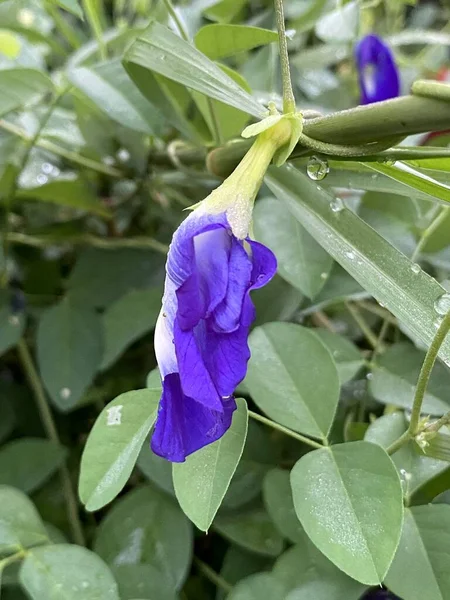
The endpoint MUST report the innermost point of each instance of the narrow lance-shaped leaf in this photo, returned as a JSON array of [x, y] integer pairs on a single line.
[[410, 294]]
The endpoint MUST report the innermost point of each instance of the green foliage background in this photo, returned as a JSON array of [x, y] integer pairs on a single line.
[[110, 125]]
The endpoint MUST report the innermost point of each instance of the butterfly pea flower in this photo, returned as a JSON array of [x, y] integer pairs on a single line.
[[202, 330], [377, 70]]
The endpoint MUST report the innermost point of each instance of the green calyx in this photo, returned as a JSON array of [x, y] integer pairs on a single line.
[[284, 129]]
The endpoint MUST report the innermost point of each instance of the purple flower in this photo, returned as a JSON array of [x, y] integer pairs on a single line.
[[378, 73], [201, 333]]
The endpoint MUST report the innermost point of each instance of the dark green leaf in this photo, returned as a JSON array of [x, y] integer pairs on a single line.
[[146, 528], [301, 261], [279, 504], [114, 444], [202, 480], [128, 319], [72, 6], [255, 587], [346, 355], [349, 500], [158, 49], [27, 463], [66, 193], [220, 41], [66, 572], [252, 530], [419, 569], [158, 470], [292, 377], [69, 351]]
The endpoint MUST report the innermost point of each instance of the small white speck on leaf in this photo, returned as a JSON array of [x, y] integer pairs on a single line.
[[114, 415], [65, 393]]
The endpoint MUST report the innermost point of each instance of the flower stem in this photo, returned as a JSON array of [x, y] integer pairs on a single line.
[[285, 430], [210, 574], [288, 94], [359, 319], [435, 223], [52, 433], [422, 383]]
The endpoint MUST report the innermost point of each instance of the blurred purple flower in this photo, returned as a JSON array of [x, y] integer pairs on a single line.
[[378, 73], [202, 330]]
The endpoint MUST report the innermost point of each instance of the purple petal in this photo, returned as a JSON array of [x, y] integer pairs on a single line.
[[227, 316], [183, 425], [378, 73], [196, 380]]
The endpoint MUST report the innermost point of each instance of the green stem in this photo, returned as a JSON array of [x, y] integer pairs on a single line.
[[431, 89], [210, 574], [90, 240], [63, 152], [179, 25], [91, 9], [344, 150], [422, 383], [11, 559], [285, 430], [66, 31], [288, 94], [435, 223], [358, 318], [52, 433]]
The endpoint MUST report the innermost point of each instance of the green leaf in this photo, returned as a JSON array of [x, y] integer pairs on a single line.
[[395, 376], [238, 564], [277, 301], [156, 469], [413, 178], [128, 319], [66, 572], [339, 25], [381, 269], [349, 500], [420, 568], [69, 351], [20, 524], [277, 495], [146, 528], [203, 479], [301, 261], [101, 277], [220, 41], [252, 530], [414, 467], [7, 417], [75, 194], [22, 87], [292, 378], [143, 581], [225, 10], [111, 89], [27, 463], [346, 355], [113, 446], [257, 586], [306, 570], [72, 6], [158, 49]]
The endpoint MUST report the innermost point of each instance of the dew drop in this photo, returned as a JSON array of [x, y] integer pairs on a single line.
[[47, 168], [41, 179], [369, 376], [123, 155], [350, 255], [323, 275], [415, 268], [65, 393], [317, 168], [337, 205], [442, 304]]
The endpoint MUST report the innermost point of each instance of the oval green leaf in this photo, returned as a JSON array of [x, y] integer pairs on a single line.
[[147, 528], [292, 377], [349, 501], [221, 40], [66, 572], [257, 586], [20, 524], [114, 444], [277, 495], [202, 481]]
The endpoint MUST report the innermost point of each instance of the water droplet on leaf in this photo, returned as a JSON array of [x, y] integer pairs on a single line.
[[41, 179], [337, 205], [47, 168], [442, 304], [65, 393], [415, 268], [350, 255], [317, 168]]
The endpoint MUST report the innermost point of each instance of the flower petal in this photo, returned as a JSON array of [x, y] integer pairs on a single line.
[[378, 73], [183, 425]]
